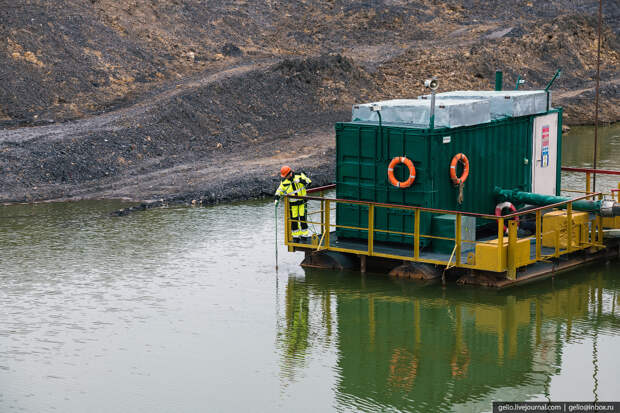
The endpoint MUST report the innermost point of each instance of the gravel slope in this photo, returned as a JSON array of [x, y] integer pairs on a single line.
[[175, 100]]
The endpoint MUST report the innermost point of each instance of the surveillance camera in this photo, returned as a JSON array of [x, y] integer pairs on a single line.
[[431, 83]]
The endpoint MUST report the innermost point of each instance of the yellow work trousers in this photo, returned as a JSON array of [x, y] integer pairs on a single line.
[[299, 226]]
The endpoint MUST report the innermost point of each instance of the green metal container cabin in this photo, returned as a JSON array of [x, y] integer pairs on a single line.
[[500, 153]]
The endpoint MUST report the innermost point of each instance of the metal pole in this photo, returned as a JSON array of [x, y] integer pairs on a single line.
[[416, 233], [457, 241], [276, 216], [432, 120], [371, 229], [500, 244], [327, 222], [598, 79]]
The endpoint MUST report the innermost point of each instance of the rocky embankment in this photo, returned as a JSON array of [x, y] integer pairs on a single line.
[[172, 100], [219, 137]]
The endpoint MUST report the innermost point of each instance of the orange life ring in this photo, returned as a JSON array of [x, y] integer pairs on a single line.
[[500, 207], [459, 157], [460, 363], [396, 182]]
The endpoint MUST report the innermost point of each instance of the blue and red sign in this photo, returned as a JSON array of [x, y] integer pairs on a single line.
[[544, 158]]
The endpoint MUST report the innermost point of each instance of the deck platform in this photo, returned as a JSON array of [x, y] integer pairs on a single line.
[[532, 272], [404, 250]]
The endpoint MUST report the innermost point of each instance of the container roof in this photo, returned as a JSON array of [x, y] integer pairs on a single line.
[[450, 113], [411, 103], [455, 108], [489, 93]]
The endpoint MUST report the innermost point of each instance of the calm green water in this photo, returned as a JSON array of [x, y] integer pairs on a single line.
[[578, 151], [181, 310]]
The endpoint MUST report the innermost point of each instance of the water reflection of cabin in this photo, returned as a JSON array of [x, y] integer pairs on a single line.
[[389, 340]]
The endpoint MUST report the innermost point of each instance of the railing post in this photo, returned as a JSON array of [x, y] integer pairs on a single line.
[[569, 226], [458, 239], [327, 221], [538, 233], [593, 232], [512, 249], [500, 243], [587, 182], [599, 224], [618, 192], [287, 224], [322, 215], [416, 235], [371, 228]]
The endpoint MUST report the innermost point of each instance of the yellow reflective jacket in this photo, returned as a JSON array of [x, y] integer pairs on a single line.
[[295, 186]]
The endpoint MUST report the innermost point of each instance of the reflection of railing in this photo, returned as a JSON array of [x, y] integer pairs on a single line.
[[589, 172], [505, 253]]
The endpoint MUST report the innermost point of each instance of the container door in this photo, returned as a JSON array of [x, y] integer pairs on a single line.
[[544, 154]]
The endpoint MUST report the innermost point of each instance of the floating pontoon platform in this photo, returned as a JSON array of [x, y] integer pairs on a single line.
[[561, 238]]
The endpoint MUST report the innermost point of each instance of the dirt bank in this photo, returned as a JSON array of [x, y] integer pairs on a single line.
[[193, 140], [567, 42], [173, 100]]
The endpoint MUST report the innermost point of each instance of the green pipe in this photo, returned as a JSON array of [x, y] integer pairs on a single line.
[[557, 74], [602, 207], [380, 126], [519, 81], [499, 80]]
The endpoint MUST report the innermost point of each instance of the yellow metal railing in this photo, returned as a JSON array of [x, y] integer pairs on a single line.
[[614, 193], [506, 253]]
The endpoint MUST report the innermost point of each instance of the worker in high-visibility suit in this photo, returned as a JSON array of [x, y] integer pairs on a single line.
[[295, 183]]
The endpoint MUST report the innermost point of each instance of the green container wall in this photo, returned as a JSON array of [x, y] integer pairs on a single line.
[[499, 154], [361, 175]]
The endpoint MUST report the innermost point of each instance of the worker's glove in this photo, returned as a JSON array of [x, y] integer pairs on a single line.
[[296, 180], [276, 201]]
